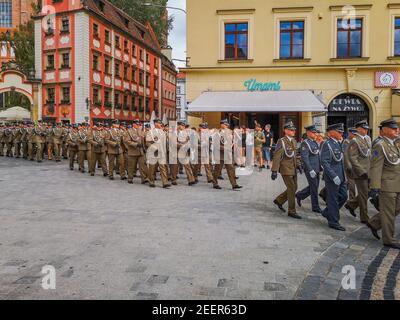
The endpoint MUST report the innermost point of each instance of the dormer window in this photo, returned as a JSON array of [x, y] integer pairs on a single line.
[[99, 4], [126, 22]]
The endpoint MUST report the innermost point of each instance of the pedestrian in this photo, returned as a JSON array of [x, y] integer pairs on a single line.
[[267, 146]]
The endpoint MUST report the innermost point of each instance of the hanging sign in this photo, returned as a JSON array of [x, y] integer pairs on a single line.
[[386, 79]]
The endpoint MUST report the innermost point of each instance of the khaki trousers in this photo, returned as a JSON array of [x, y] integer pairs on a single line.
[[188, 171], [207, 167], [72, 155], [163, 172], [98, 157], [57, 151], [361, 200], [25, 150], [290, 194], [50, 150], [133, 163], [17, 149], [82, 155], [230, 169], [116, 161], [389, 205], [351, 186], [39, 151]]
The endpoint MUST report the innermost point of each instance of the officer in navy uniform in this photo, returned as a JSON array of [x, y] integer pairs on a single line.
[[309, 152], [334, 176]]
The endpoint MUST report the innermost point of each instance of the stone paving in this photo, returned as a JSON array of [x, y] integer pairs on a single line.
[[110, 240]]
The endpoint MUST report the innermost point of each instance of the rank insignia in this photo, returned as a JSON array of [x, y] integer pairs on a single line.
[[375, 154]]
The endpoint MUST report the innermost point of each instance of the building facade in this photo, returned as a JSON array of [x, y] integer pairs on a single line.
[[12, 14], [96, 64], [181, 96], [346, 55], [169, 88]]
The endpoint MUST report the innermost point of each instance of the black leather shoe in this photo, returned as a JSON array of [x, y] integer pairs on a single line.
[[105, 174], [130, 181], [337, 227], [294, 216], [217, 187], [71, 169], [298, 201], [191, 184], [111, 178], [92, 174], [220, 178], [124, 178], [174, 183], [279, 206], [152, 185], [393, 245], [237, 187], [317, 211], [373, 231], [351, 210], [167, 186]]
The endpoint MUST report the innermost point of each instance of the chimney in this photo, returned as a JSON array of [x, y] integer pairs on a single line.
[[167, 51]]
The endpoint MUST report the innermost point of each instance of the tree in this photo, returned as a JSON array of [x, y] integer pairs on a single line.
[[156, 16], [22, 41]]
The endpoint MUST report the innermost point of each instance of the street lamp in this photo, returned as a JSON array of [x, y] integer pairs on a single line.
[[148, 4]]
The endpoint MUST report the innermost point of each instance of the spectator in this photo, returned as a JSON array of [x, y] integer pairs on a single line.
[[267, 146]]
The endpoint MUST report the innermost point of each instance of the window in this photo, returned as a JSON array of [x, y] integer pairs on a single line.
[[126, 66], [95, 30], [133, 103], [134, 53], [65, 60], [397, 37], [147, 104], [140, 103], [178, 101], [349, 38], [50, 95], [117, 42], [117, 69], [155, 84], [236, 41], [107, 65], [50, 62], [95, 96], [107, 101], [148, 80], [116, 101], [155, 63], [50, 27], [178, 90], [141, 54], [147, 58], [141, 78], [126, 49], [134, 75], [65, 95], [126, 105], [5, 13], [65, 24], [95, 62], [107, 36], [291, 40]]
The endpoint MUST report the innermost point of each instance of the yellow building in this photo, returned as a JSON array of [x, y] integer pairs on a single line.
[[347, 53]]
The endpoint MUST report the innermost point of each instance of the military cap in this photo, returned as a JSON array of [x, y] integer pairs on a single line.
[[123, 124], [115, 121], [147, 125], [166, 125], [136, 121], [352, 130], [224, 121], [311, 128], [336, 127], [289, 126], [75, 125], [181, 123], [362, 124], [129, 126], [187, 126], [389, 123], [204, 125], [157, 120]]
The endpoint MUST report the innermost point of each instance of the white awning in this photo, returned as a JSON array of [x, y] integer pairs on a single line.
[[267, 101], [15, 114]]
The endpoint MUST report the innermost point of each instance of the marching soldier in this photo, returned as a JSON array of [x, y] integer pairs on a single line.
[[285, 163], [312, 167], [9, 138], [30, 140], [49, 141], [134, 143], [57, 137], [115, 152], [385, 184], [183, 140], [64, 144], [222, 145], [204, 154], [359, 152], [351, 184], [17, 134], [24, 140], [156, 143], [2, 139], [334, 176], [83, 147], [72, 140], [39, 140], [96, 138]]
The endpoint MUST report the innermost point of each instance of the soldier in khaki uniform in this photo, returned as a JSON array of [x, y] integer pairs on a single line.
[[222, 141], [30, 136], [49, 141], [156, 155], [204, 153], [96, 138], [134, 143], [359, 154], [83, 147], [64, 145], [24, 141], [72, 140], [113, 141], [57, 136], [351, 184], [39, 140], [385, 183], [183, 140], [285, 162], [9, 140], [2, 138], [17, 135], [259, 140]]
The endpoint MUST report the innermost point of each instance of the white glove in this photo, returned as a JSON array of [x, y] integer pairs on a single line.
[[337, 181], [313, 174]]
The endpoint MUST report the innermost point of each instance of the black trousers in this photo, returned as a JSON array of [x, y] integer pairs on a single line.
[[310, 190]]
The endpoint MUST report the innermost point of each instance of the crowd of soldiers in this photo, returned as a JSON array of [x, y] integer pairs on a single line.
[[118, 149], [355, 170]]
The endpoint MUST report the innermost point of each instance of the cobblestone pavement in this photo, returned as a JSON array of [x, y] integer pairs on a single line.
[[111, 240]]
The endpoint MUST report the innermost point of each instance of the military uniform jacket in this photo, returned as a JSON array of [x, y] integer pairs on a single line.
[[17, 134], [309, 152], [285, 160], [347, 163], [156, 143], [385, 167], [114, 141], [259, 139], [72, 140], [24, 135], [134, 142], [97, 141], [1, 134], [57, 135], [332, 160], [359, 153], [29, 135], [83, 142], [40, 134]]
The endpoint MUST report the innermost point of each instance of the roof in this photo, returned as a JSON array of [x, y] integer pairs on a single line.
[[166, 62], [268, 101], [117, 17], [181, 75]]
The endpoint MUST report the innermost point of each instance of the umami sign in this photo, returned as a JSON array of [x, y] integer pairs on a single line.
[[254, 85]]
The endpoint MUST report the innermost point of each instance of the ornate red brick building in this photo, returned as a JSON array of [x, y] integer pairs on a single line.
[[96, 63]]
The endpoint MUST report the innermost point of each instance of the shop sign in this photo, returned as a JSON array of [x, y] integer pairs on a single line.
[[347, 103], [386, 79], [254, 85]]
